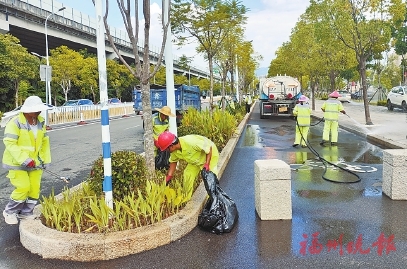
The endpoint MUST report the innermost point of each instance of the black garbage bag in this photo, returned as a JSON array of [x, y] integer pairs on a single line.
[[220, 212], [162, 159]]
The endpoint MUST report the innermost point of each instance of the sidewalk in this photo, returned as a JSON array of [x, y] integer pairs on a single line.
[[389, 129]]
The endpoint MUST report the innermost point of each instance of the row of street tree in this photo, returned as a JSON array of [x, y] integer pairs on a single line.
[[74, 76], [217, 26], [345, 40]]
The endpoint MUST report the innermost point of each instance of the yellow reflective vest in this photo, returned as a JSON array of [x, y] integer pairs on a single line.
[[21, 143], [332, 107], [194, 150], [248, 100], [303, 113], [159, 126]]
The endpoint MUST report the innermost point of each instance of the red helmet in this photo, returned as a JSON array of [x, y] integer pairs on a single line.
[[165, 140]]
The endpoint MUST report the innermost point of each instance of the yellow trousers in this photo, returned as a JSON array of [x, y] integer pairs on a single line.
[[301, 130], [330, 128], [26, 183], [191, 172]]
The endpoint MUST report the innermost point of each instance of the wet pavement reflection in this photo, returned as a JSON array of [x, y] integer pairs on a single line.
[[334, 225], [322, 210]]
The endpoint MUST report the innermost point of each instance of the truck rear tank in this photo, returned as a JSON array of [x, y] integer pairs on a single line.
[[278, 96]]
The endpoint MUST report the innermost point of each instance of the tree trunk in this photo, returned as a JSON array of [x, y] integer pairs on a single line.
[[148, 126], [210, 60], [232, 78], [362, 72], [16, 90], [332, 77]]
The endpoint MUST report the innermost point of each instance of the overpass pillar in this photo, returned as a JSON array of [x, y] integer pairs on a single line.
[[4, 24]]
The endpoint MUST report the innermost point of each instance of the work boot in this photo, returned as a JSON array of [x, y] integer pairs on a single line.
[[10, 218], [295, 145], [333, 143], [304, 146], [322, 142]]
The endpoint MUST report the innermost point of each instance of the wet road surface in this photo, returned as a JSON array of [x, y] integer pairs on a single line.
[[326, 215]]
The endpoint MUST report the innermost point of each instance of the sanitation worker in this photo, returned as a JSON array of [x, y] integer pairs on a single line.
[[161, 124], [331, 108], [303, 113], [248, 100], [198, 151], [27, 148], [161, 121]]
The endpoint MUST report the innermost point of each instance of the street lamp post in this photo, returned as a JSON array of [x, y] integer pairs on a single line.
[[47, 79]]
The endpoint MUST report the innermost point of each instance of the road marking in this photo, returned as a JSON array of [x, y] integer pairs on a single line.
[[358, 168]]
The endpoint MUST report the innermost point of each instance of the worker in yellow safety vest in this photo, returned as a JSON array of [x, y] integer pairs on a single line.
[[303, 113], [198, 151], [248, 101], [331, 108], [161, 121], [27, 152]]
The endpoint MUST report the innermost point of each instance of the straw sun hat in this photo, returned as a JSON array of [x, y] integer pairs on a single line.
[[166, 110], [33, 104]]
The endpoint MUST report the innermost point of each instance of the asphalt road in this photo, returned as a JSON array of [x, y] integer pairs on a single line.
[[330, 209]]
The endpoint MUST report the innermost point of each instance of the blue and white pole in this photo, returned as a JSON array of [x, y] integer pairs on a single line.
[[107, 161]]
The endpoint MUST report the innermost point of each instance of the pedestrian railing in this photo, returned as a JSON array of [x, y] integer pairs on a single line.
[[72, 114]]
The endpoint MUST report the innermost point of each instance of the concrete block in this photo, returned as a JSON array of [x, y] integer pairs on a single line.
[[394, 182], [272, 169], [272, 195], [395, 157], [274, 200]]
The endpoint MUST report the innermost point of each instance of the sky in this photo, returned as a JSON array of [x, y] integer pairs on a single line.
[[269, 25]]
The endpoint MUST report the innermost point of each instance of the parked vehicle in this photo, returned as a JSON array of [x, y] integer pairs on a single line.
[[356, 95], [185, 97], [7, 116], [397, 97], [345, 96], [79, 102], [112, 101], [278, 96]]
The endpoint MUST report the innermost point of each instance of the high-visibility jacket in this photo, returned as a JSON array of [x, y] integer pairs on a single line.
[[194, 150], [159, 126], [303, 113], [21, 144], [248, 100], [332, 107]]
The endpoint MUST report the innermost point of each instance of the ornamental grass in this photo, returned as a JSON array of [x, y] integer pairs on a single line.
[[138, 201]]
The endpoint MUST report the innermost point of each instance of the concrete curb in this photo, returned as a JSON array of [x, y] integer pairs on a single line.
[[52, 244], [374, 139]]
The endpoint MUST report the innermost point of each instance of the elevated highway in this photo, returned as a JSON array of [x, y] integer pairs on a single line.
[[26, 21]]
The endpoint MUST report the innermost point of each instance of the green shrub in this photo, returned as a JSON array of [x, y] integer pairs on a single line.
[[128, 174], [382, 103], [217, 125]]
